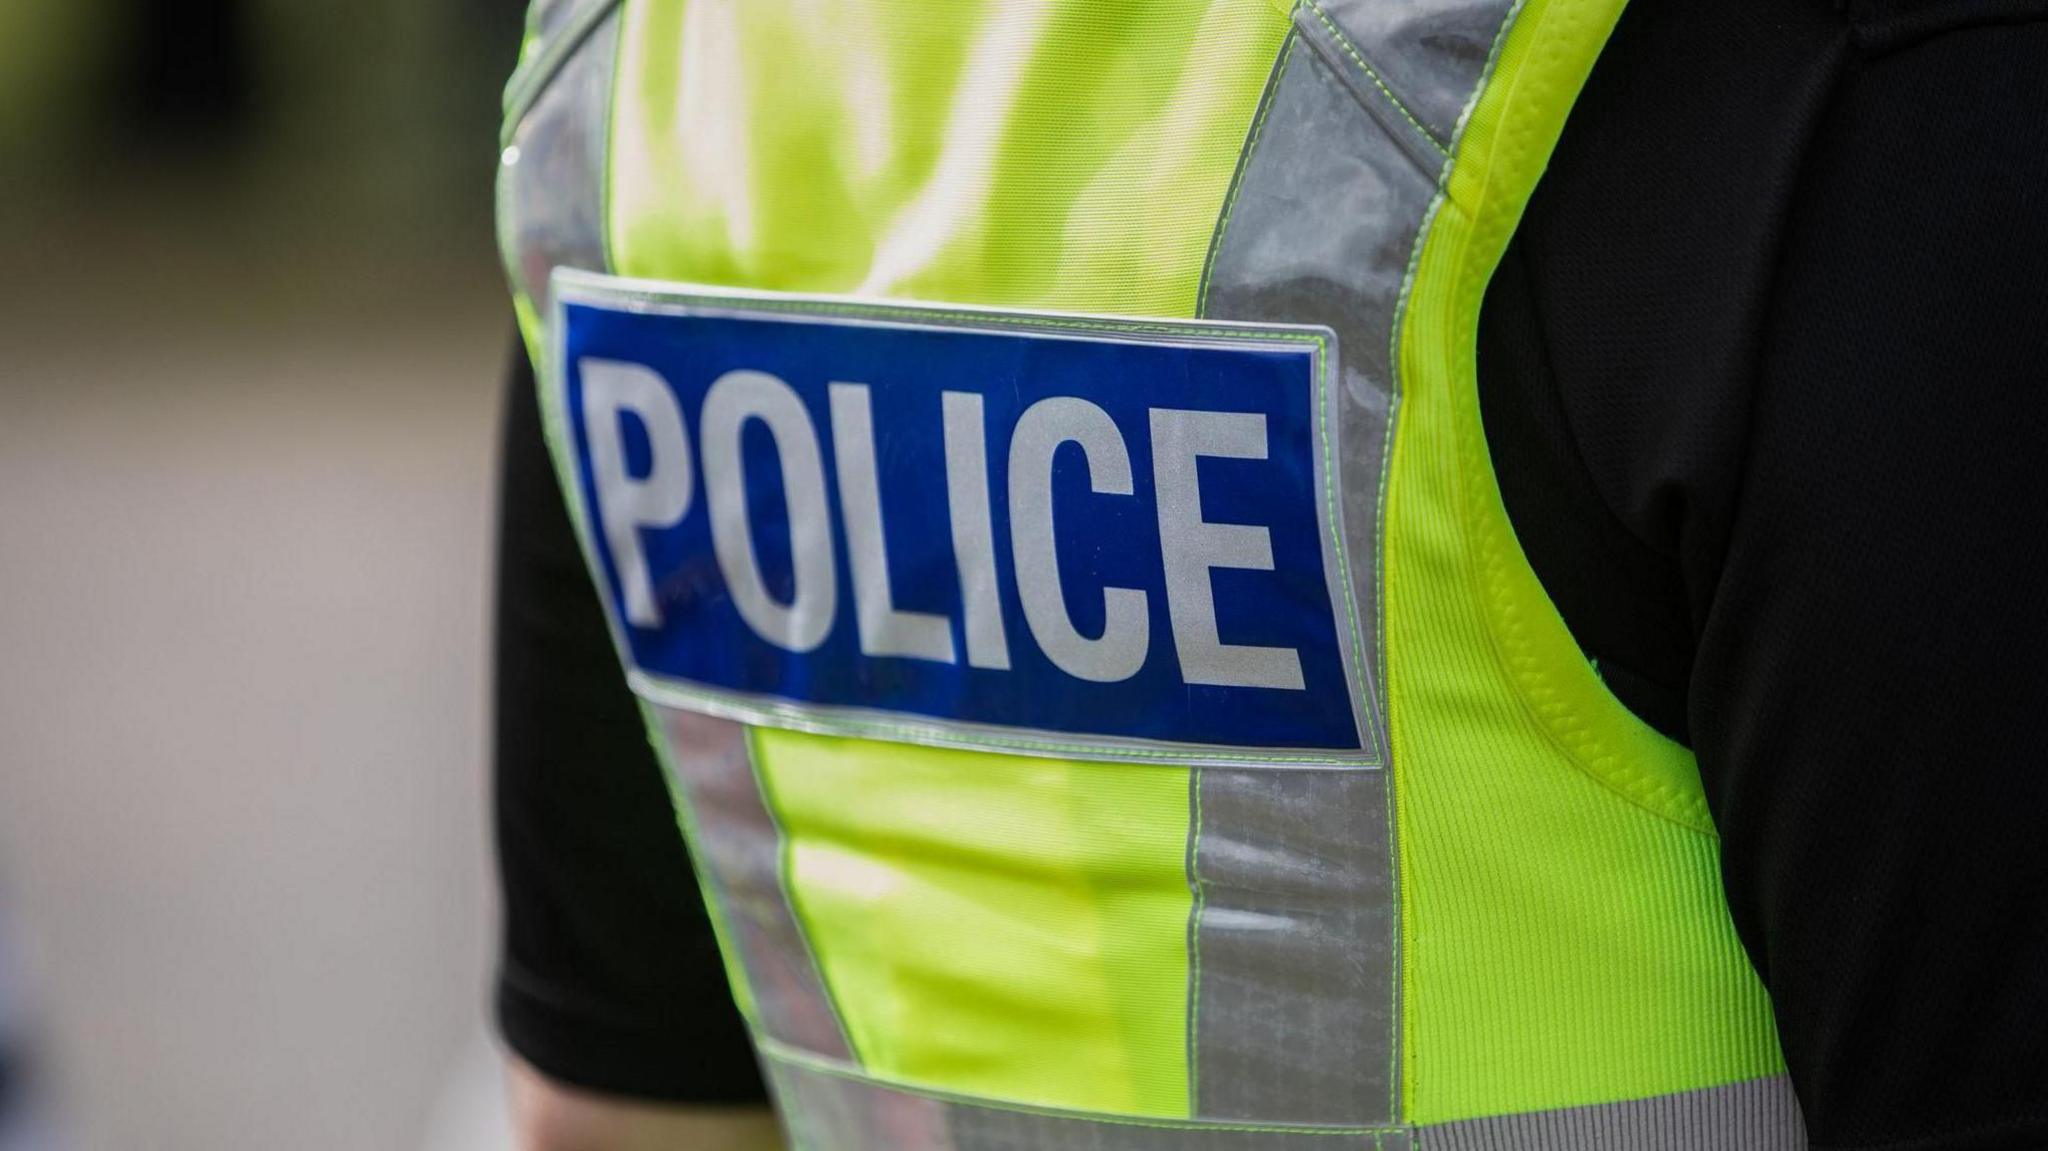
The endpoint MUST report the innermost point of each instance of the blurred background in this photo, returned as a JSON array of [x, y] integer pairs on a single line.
[[251, 336]]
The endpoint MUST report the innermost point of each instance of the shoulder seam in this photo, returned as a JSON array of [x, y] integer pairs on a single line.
[[533, 80]]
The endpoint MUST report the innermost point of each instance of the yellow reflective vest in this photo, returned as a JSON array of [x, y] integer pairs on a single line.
[[1057, 777]]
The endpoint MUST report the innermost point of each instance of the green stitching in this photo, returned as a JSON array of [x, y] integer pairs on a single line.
[[1500, 39], [1331, 502], [994, 319], [1351, 50], [782, 1053], [1500, 36], [1322, 415], [1394, 1066], [1243, 164], [937, 733], [651, 687], [527, 84], [1195, 945], [1400, 315]]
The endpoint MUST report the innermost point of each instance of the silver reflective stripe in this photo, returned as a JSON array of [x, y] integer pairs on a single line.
[[1296, 933], [1762, 1115], [1292, 981], [831, 1108], [1319, 227], [551, 178], [739, 853], [555, 31], [1321, 35], [548, 19], [1425, 57], [837, 1109]]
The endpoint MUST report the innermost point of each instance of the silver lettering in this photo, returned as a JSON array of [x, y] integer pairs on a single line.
[[625, 505], [735, 398], [884, 630], [974, 545], [1193, 546], [1126, 633]]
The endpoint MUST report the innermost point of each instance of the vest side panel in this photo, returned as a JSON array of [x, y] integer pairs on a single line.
[[1335, 186], [1566, 940]]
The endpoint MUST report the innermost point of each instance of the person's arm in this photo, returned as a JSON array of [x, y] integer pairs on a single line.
[[550, 1116], [1766, 380], [1870, 699], [611, 993]]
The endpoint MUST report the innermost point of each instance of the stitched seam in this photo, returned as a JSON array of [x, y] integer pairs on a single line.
[[1330, 504], [1251, 147], [1373, 685], [1351, 50], [1500, 40], [1534, 689], [1324, 367], [993, 319], [526, 90], [782, 1053], [651, 687], [1201, 891], [1396, 1064]]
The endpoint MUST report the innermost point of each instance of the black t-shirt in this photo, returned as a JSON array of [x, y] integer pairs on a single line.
[[1765, 377]]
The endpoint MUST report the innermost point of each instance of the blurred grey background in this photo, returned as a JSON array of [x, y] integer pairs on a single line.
[[251, 333]]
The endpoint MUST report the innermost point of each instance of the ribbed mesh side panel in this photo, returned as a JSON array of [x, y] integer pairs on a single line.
[[1566, 937]]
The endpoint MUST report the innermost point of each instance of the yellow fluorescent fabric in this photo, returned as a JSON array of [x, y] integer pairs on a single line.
[[1062, 154], [991, 925], [996, 925], [1565, 938]]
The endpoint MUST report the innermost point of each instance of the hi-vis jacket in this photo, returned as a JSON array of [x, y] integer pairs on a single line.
[[1030, 454]]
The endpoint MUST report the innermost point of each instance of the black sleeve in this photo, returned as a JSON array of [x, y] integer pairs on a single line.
[[610, 977], [1870, 699], [1766, 379]]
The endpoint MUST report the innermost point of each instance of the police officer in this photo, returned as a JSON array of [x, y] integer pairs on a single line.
[[1264, 575]]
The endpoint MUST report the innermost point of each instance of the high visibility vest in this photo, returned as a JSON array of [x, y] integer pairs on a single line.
[[1031, 455]]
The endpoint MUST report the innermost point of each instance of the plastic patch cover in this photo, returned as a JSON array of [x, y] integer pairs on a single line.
[[1078, 536]]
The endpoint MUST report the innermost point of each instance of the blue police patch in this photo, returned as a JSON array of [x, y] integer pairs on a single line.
[[1034, 533]]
